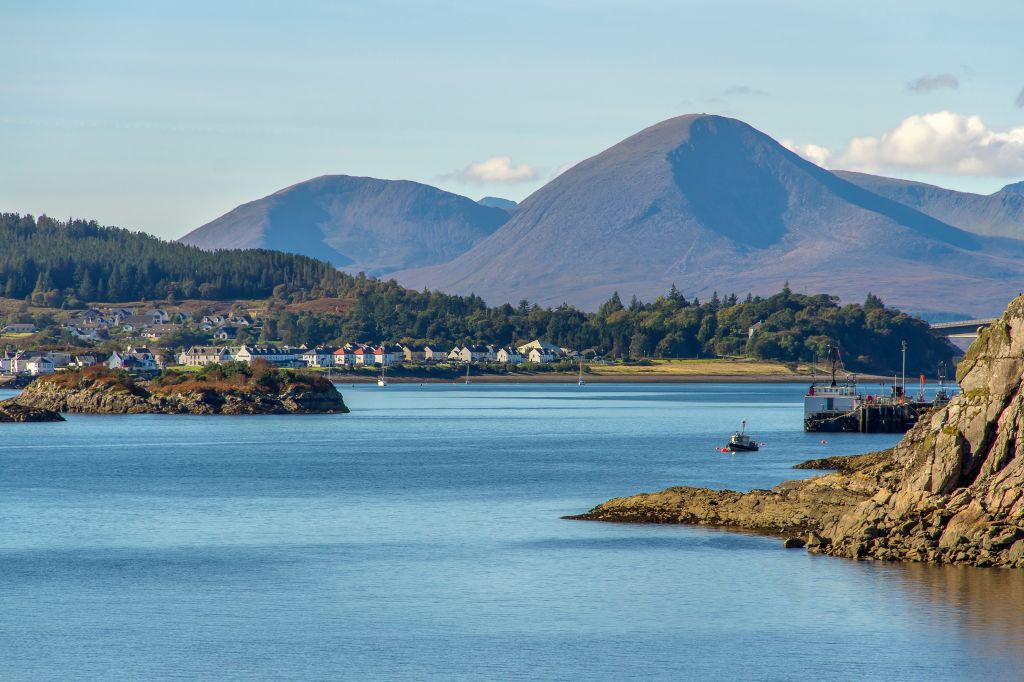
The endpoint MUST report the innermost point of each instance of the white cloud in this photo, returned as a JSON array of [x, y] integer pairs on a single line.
[[497, 169], [927, 83], [942, 142], [812, 152]]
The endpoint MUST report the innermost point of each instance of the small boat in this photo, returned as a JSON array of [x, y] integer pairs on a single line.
[[581, 382], [740, 441], [467, 373], [381, 380]]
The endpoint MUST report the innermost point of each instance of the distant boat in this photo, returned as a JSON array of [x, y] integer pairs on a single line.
[[740, 441], [581, 382], [382, 380], [467, 372]]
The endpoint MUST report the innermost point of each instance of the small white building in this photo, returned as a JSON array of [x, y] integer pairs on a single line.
[[509, 355], [541, 355]]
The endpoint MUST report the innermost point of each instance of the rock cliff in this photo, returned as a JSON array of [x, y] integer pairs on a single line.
[[11, 412], [951, 491], [99, 397]]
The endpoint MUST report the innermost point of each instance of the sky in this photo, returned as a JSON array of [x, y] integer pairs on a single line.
[[161, 116]]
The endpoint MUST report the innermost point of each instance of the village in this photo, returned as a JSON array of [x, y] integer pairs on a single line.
[[138, 328]]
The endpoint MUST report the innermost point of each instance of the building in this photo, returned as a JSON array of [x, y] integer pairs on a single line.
[[386, 354], [140, 359], [434, 354], [473, 353], [364, 355], [87, 360], [540, 345], [282, 356], [200, 356], [541, 355], [509, 355], [158, 330], [411, 353], [321, 356], [344, 356], [19, 328]]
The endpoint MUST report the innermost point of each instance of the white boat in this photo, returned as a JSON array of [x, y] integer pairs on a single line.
[[741, 442], [581, 382], [467, 372], [382, 380]]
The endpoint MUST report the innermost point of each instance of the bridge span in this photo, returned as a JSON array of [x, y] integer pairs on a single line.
[[962, 329]]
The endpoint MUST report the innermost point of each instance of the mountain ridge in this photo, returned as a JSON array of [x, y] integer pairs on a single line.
[[722, 206], [356, 223]]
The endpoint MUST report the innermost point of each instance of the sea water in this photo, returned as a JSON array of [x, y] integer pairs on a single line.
[[420, 537]]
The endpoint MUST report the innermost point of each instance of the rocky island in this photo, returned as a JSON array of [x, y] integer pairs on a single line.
[[232, 388], [951, 491]]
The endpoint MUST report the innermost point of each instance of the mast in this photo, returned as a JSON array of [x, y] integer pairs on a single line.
[[903, 375]]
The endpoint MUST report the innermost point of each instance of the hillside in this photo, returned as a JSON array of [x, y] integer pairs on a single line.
[[1000, 214], [55, 263], [708, 202], [358, 224]]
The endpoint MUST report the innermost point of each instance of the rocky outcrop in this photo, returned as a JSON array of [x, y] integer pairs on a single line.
[[139, 399], [12, 412], [951, 491]]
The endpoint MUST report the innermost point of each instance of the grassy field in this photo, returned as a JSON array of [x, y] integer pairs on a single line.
[[715, 367]]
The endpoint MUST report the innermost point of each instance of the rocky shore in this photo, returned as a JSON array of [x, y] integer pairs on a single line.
[[12, 412], [109, 393], [951, 491]]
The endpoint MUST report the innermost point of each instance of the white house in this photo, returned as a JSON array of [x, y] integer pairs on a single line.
[[550, 348], [344, 357], [509, 355], [321, 356], [386, 354], [199, 356], [364, 355], [39, 365], [282, 356], [541, 355]]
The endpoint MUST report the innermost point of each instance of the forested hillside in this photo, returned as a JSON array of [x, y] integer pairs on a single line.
[[54, 262]]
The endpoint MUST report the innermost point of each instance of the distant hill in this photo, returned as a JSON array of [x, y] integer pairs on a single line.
[[999, 214], [498, 202], [709, 203], [358, 224]]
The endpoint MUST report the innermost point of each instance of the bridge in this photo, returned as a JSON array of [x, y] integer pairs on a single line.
[[963, 329]]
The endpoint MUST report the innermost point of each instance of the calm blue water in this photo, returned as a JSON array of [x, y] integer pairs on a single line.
[[419, 538]]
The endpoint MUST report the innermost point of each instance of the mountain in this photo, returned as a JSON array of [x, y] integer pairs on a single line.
[[358, 224], [498, 202], [709, 203], [999, 214]]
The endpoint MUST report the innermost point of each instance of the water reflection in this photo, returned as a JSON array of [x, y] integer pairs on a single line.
[[983, 604]]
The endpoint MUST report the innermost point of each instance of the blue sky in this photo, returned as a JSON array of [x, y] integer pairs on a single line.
[[160, 116]]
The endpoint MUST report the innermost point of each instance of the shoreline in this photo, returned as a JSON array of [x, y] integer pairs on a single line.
[[559, 378]]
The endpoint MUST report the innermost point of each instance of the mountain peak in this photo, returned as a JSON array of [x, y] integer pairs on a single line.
[[1013, 188], [357, 223]]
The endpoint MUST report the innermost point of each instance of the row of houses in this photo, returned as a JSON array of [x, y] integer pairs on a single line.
[[360, 354], [151, 324]]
